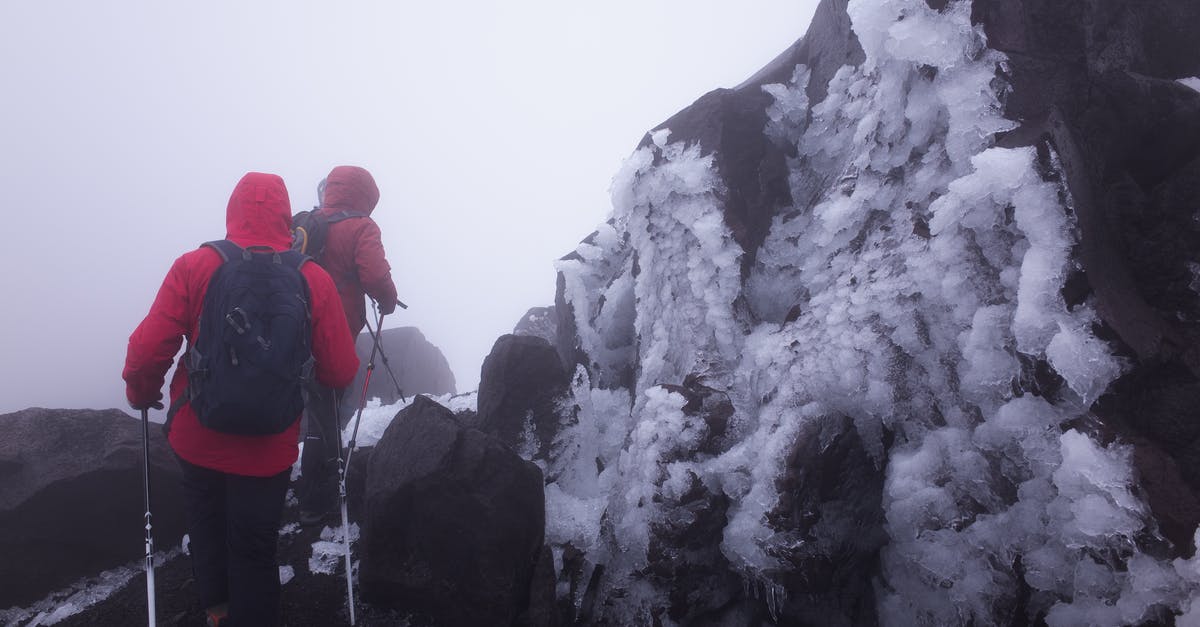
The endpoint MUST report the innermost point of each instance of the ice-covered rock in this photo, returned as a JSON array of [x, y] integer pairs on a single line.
[[522, 388], [937, 260]]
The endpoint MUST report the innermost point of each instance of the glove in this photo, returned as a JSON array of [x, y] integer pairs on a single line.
[[387, 308], [146, 405]]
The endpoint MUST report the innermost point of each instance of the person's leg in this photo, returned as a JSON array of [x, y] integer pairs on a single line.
[[317, 487], [255, 509], [204, 496]]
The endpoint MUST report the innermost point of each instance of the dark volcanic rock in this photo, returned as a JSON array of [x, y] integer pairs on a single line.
[[453, 522], [543, 609], [831, 505], [1094, 82], [520, 389], [539, 322], [419, 366], [71, 501]]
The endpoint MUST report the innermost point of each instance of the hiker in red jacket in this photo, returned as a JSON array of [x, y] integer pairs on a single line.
[[354, 257], [234, 485]]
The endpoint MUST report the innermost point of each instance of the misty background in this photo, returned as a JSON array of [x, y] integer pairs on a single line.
[[493, 130]]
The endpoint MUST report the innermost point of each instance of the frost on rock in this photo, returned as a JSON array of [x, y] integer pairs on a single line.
[[909, 288]]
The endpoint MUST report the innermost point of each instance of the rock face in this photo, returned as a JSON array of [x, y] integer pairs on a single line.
[[71, 502], [1106, 99], [521, 388], [903, 329], [453, 522], [419, 366]]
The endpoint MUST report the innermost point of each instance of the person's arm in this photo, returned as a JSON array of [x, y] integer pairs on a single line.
[[333, 348], [153, 345], [374, 272]]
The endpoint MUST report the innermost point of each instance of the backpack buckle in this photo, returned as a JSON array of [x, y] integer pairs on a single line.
[[233, 322]]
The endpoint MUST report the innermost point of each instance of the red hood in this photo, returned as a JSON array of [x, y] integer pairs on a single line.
[[259, 212], [350, 188]]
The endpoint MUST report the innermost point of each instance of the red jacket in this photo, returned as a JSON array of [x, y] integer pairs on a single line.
[[258, 214], [353, 250]]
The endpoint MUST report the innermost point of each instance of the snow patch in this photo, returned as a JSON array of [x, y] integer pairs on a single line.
[[81, 595], [330, 550], [286, 574]]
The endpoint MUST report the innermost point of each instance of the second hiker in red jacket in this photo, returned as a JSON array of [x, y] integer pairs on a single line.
[[353, 255], [234, 485]]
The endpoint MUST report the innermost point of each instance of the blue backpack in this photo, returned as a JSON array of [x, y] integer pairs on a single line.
[[252, 355]]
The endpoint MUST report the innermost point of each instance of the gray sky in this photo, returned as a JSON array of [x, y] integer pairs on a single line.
[[492, 128]]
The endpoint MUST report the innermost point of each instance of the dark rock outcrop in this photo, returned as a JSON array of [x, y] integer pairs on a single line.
[[419, 367], [521, 387], [453, 521], [539, 322], [831, 505], [71, 501], [1095, 82]]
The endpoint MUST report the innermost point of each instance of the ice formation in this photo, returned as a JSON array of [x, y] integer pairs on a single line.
[[910, 288], [82, 594]]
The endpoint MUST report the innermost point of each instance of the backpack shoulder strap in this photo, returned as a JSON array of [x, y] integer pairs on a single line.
[[343, 215], [294, 258], [227, 249]]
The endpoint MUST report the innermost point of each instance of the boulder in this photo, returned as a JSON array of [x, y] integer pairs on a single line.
[[539, 322], [419, 367], [453, 521], [521, 387], [71, 499]]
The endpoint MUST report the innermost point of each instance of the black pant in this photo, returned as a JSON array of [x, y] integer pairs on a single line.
[[317, 487], [233, 529]]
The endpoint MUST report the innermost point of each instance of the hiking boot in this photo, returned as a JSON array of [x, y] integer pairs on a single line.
[[309, 518]]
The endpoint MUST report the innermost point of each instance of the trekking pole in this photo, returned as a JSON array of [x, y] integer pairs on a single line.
[[149, 528], [362, 396], [342, 464], [343, 467], [386, 365]]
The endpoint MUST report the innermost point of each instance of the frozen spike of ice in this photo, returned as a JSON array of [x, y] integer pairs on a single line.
[[1085, 362]]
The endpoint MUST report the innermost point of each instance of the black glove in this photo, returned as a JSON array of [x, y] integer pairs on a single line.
[[150, 405]]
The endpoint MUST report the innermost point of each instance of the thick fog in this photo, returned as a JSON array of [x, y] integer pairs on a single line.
[[492, 129]]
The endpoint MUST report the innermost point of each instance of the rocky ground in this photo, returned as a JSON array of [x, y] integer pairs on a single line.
[[309, 600]]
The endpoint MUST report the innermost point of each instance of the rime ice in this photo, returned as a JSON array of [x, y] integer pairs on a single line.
[[909, 289]]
